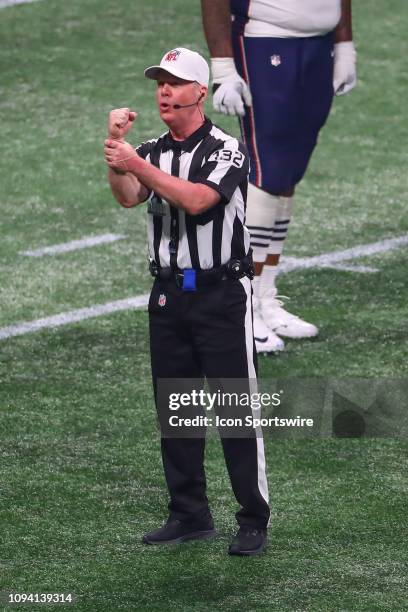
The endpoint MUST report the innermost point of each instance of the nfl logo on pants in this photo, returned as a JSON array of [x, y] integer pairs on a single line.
[[162, 299], [276, 60]]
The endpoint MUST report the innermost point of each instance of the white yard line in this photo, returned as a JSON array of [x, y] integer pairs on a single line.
[[349, 268], [7, 3], [290, 264], [73, 245], [328, 259], [73, 316]]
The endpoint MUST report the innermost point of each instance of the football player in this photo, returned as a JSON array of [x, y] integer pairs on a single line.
[[277, 64]]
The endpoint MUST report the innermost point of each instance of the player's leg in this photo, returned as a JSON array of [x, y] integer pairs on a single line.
[[272, 305], [271, 68], [173, 357], [316, 95], [259, 221], [261, 204], [280, 142]]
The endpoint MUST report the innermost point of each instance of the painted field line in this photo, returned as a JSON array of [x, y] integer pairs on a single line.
[[7, 3], [335, 257], [350, 268], [290, 264], [73, 316], [73, 245]]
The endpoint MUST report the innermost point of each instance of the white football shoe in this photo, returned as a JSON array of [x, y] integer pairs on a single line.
[[266, 341], [282, 322]]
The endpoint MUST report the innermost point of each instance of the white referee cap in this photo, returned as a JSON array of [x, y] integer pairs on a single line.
[[184, 64]]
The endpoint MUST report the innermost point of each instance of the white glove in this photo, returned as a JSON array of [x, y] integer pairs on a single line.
[[345, 75], [232, 91]]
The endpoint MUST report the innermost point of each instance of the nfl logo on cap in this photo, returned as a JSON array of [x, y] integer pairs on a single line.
[[162, 299], [172, 55], [276, 60]]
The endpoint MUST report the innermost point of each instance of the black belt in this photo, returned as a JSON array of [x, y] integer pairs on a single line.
[[234, 268]]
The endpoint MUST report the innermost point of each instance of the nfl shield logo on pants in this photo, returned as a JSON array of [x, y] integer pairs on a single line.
[[162, 299], [276, 60]]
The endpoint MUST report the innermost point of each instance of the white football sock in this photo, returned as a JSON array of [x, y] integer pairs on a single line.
[[260, 216], [281, 223], [268, 278], [279, 233], [256, 285]]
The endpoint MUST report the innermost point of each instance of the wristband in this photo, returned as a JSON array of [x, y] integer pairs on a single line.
[[223, 69], [346, 50]]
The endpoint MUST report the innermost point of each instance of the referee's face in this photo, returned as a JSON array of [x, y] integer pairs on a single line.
[[173, 91]]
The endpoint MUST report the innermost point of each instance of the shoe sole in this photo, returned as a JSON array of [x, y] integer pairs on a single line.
[[194, 535], [248, 553], [261, 350], [298, 337], [282, 333]]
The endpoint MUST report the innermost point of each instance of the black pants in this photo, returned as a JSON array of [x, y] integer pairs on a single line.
[[207, 333]]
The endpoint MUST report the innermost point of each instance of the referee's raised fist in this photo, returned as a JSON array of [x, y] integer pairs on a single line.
[[120, 121]]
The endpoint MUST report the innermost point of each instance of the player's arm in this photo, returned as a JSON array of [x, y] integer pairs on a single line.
[[345, 75], [217, 27], [230, 90], [193, 198], [126, 188], [344, 30]]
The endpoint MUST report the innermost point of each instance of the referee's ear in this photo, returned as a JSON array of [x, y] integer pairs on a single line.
[[203, 93]]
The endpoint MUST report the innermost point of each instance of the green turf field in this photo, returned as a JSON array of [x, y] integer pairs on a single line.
[[81, 477]]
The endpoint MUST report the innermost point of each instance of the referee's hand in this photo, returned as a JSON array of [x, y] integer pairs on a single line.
[[117, 153], [119, 123]]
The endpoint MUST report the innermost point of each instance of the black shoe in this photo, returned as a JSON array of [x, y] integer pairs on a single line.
[[248, 541], [175, 532]]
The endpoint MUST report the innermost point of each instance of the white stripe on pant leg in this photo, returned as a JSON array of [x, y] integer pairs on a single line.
[[249, 338]]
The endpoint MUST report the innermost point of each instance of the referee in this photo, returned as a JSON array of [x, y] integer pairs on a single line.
[[194, 179]]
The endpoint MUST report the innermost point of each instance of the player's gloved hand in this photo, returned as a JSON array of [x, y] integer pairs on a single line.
[[118, 153], [119, 123], [231, 92], [345, 75]]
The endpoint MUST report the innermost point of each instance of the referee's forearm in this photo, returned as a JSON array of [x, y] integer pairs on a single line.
[[126, 189], [193, 198]]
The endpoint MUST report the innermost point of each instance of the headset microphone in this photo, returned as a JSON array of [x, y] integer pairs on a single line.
[[177, 106]]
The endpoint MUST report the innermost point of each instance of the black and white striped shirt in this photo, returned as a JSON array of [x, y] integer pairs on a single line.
[[209, 240]]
